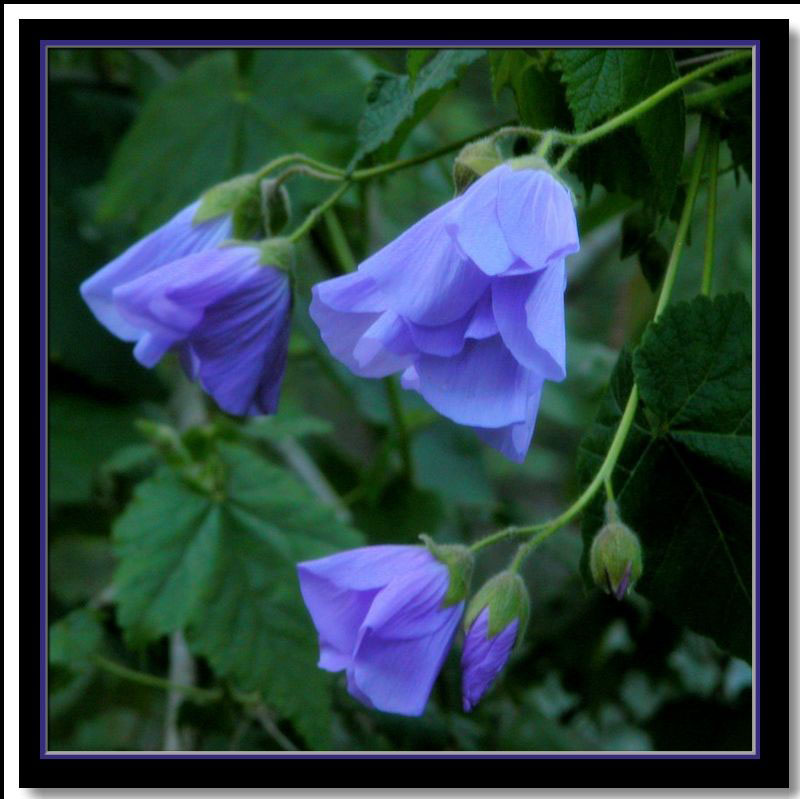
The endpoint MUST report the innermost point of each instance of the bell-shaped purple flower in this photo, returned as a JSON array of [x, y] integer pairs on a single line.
[[468, 304], [386, 616], [484, 657], [223, 311], [175, 239]]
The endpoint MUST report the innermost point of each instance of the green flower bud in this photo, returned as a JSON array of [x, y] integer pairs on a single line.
[[507, 598], [474, 161], [615, 558], [459, 561]]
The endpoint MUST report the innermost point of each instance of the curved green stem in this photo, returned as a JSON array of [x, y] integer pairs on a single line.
[[686, 216], [200, 695], [582, 139], [317, 212], [537, 533], [696, 100], [711, 214]]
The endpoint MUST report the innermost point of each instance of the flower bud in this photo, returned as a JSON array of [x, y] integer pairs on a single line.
[[495, 621], [615, 558], [474, 161]]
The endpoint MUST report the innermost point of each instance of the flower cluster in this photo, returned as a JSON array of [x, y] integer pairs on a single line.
[[468, 304], [387, 617]]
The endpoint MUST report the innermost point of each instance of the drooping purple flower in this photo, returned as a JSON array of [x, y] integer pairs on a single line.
[[484, 657], [468, 304], [219, 308], [384, 617], [173, 240]]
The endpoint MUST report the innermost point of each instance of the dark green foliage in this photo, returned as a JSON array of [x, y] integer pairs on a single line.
[[682, 477], [601, 83], [397, 103]]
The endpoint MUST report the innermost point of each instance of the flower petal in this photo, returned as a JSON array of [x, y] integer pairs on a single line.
[[483, 657], [175, 239], [441, 339], [529, 310], [482, 323], [343, 332], [536, 215], [403, 642], [473, 223], [483, 385], [367, 568], [423, 276], [513, 440]]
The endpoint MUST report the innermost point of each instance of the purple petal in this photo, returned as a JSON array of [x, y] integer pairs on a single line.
[[342, 333], [423, 276], [529, 310], [473, 223], [367, 568], [175, 239], [353, 293], [482, 323], [441, 339], [483, 658], [227, 315], [483, 385], [536, 215], [514, 440], [403, 643]]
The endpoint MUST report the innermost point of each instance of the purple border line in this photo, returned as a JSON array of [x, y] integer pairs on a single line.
[[43, 401], [394, 42], [44, 755]]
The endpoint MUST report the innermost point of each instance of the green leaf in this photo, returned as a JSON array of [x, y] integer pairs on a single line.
[[594, 80], [601, 83], [222, 565], [693, 368], [638, 236], [396, 104], [537, 91], [220, 117], [415, 60], [689, 503], [74, 639]]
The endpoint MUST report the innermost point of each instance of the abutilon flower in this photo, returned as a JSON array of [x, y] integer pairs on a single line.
[[386, 615], [468, 304], [495, 620], [220, 308], [615, 557]]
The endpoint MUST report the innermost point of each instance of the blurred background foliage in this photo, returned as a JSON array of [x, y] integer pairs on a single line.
[[136, 134]]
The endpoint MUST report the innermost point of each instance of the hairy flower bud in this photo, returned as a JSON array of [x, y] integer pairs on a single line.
[[615, 558], [475, 160]]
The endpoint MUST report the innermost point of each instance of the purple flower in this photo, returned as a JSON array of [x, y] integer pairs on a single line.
[[385, 615], [484, 657], [175, 239], [220, 309], [468, 304]]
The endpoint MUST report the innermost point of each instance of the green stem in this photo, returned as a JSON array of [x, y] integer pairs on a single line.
[[582, 139], [546, 143], [565, 158], [394, 166], [317, 212], [403, 440], [609, 488], [711, 214], [537, 533], [200, 695], [341, 249], [697, 100], [686, 217]]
